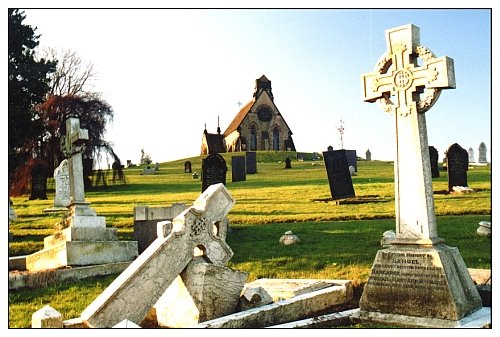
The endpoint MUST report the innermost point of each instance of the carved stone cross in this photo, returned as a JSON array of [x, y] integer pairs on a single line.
[[139, 287], [408, 90], [72, 146]]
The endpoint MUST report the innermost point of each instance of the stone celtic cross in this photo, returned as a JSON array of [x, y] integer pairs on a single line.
[[408, 90], [72, 145]]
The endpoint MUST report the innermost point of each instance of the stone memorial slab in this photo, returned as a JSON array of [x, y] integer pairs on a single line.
[[434, 157], [61, 178], [352, 159], [134, 292], [213, 171], [251, 162], [482, 154], [238, 168], [458, 165], [418, 276], [39, 176], [187, 167], [368, 155], [146, 219], [339, 177], [471, 155]]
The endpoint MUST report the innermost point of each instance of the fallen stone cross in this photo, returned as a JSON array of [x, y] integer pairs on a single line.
[[194, 232]]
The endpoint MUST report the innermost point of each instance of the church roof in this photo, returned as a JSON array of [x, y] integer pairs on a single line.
[[215, 142], [239, 118]]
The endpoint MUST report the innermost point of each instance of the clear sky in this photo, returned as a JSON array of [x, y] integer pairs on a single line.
[[167, 72]]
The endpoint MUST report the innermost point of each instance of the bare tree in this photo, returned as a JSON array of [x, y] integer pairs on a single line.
[[72, 76]]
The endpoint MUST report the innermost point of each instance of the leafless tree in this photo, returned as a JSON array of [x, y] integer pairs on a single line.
[[73, 76]]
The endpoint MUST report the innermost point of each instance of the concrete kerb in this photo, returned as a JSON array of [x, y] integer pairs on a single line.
[[22, 279]]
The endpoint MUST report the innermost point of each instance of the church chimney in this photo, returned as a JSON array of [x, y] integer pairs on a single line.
[[218, 127]]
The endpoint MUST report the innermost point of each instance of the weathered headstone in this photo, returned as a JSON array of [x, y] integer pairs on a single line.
[[418, 275], [288, 163], [61, 178], [471, 155], [39, 182], [458, 164], [213, 171], [146, 218], [339, 177], [238, 168], [133, 293], [187, 167], [251, 162], [148, 170], [368, 155], [157, 166], [434, 157], [82, 237], [482, 154], [352, 159]]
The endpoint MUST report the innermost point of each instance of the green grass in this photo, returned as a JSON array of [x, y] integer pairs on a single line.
[[337, 241]]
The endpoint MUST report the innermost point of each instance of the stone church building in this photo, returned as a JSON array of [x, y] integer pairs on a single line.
[[258, 126]]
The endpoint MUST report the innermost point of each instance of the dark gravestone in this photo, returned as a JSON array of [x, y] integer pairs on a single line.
[[251, 162], [187, 167], [434, 157], [38, 182], [238, 168], [458, 164], [339, 177], [288, 163], [352, 159], [213, 171]]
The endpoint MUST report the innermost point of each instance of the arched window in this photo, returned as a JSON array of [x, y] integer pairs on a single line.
[[253, 137], [276, 138]]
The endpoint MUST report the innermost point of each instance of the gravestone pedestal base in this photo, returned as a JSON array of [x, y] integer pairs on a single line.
[[86, 241], [422, 281]]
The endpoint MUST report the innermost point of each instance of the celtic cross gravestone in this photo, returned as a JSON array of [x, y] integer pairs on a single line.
[[417, 275]]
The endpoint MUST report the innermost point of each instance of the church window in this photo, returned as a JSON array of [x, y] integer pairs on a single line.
[[253, 138], [276, 138]]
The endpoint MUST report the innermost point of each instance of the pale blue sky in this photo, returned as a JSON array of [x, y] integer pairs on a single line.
[[168, 72]]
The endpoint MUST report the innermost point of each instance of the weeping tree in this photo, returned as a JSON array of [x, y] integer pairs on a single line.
[[69, 96]]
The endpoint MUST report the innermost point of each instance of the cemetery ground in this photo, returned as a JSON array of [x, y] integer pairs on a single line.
[[337, 241]]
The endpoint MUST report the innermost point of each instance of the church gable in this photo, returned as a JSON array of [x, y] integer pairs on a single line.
[[259, 125]]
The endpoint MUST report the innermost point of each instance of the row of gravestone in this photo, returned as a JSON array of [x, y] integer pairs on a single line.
[[214, 171]]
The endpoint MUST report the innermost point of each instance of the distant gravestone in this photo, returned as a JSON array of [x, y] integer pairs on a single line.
[[61, 177], [251, 162], [434, 157], [458, 164], [187, 167], [368, 155], [39, 182], [146, 219], [238, 168], [482, 154], [148, 170], [288, 163], [471, 155], [157, 166], [352, 159], [339, 177], [213, 171]]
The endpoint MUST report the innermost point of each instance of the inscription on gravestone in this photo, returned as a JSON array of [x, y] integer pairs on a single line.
[[339, 177], [213, 171], [61, 177], [38, 182], [238, 168], [458, 164], [434, 157], [251, 162]]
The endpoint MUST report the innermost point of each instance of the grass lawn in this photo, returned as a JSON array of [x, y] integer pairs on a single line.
[[337, 241]]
